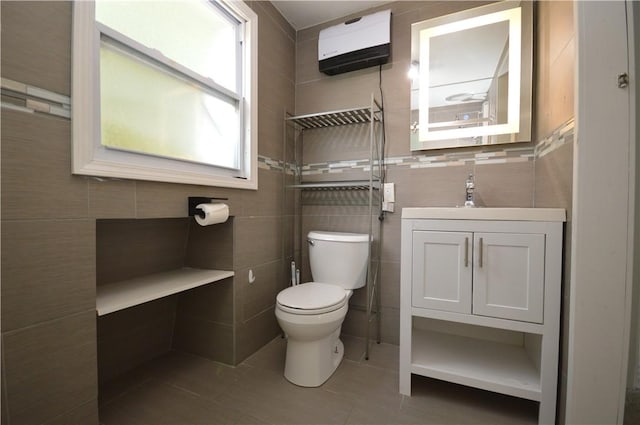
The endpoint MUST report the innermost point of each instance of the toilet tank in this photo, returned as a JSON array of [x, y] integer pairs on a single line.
[[339, 258]]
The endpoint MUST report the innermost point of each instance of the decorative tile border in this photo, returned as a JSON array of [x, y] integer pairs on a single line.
[[31, 99], [522, 154], [452, 159], [267, 163], [335, 167], [560, 136], [23, 97]]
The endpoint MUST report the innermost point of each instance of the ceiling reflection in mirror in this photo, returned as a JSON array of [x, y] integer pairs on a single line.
[[471, 78]]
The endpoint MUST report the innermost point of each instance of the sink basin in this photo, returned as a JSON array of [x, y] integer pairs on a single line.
[[516, 214]]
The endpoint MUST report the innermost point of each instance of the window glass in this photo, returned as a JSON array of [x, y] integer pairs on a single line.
[[145, 109], [195, 34]]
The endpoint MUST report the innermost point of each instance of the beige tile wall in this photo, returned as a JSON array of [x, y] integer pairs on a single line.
[[556, 50], [500, 184], [210, 247], [200, 321], [49, 236], [131, 337], [44, 62], [205, 316], [50, 368], [157, 245], [48, 269], [197, 334], [128, 338], [509, 184], [204, 321], [42, 202], [555, 44]]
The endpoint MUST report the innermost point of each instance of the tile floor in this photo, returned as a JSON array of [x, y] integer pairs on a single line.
[[632, 407], [184, 389]]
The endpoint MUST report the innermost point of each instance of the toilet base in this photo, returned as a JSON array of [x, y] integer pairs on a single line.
[[311, 363]]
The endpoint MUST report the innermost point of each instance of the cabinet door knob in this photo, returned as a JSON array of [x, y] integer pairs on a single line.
[[480, 254]]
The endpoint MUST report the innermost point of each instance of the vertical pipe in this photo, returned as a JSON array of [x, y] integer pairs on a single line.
[[370, 281], [381, 179], [285, 255], [297, 179]]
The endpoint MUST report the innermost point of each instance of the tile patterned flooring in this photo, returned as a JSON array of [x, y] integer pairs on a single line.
[[632, 407], [180, 388]]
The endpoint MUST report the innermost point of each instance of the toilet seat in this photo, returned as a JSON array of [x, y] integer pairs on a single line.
[[312, 298]]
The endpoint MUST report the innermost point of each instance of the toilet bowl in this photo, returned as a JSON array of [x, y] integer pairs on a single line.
[[314, 349], [311, 314]]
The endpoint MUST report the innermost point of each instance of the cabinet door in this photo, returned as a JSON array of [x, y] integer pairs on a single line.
[[508, 276], [441, 275]]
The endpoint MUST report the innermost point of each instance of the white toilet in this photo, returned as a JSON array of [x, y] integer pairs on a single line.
[[311, 314]]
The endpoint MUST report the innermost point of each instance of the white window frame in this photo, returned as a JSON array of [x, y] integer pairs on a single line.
[[90, 158]]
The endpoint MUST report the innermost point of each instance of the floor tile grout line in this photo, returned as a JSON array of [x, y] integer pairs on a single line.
[[354, 401], [123, 393]]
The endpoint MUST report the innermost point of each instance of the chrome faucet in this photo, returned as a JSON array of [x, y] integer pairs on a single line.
[[469, 187]]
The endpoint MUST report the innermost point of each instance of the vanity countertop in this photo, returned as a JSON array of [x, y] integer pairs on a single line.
[[461, 213]]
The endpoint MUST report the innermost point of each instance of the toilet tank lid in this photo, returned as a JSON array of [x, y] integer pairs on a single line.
[[338, 236]]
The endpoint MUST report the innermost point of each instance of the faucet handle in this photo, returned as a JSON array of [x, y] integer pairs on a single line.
[[469, 188], [469, 183]]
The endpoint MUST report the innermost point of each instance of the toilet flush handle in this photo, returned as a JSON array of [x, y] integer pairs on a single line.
[[312, 243]]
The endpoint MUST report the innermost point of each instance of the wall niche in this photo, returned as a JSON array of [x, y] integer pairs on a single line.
[[198, 318]]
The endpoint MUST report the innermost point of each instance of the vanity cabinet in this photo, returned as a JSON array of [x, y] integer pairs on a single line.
[[488, 274], [480, 300]]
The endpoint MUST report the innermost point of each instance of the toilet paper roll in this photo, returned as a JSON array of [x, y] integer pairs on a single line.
[[213, 214]]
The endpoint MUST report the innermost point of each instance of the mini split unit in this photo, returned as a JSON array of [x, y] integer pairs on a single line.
[[355, 44]]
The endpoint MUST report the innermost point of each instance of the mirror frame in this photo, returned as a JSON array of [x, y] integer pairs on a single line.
[[518, 126]]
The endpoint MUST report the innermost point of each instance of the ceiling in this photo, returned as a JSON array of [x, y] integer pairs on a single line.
[[307, 13]]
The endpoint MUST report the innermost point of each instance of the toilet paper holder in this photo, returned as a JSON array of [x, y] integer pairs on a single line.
[[194, 201]]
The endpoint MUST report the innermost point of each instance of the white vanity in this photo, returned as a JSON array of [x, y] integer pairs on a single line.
[[480, 299]]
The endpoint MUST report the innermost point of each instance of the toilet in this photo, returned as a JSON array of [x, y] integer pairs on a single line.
[[311, 314]]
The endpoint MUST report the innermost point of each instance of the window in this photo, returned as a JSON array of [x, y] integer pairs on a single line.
[[166, 91]]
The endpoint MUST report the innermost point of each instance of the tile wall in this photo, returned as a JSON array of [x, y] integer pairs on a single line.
[[200, 321], [130, 337], [555, 113], [49, 217], [507, 176], [49, 332]]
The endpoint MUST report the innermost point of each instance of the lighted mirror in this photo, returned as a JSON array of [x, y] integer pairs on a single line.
[[471, 77]]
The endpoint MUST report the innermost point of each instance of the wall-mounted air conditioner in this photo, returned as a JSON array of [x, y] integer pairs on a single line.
[[355, 44]]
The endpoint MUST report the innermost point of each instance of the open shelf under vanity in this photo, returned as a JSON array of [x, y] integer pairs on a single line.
[[489, 365]]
